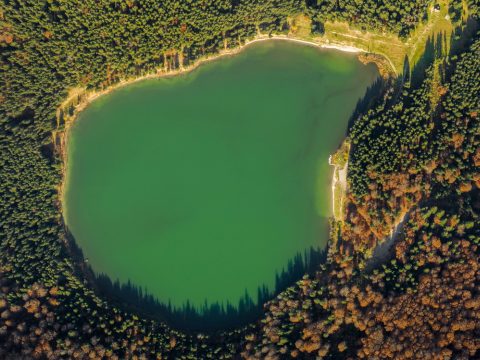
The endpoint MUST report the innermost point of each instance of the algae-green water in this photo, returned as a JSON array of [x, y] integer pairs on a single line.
[[202, 186]]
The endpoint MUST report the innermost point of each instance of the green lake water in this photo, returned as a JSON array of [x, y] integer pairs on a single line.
[[202, 186]]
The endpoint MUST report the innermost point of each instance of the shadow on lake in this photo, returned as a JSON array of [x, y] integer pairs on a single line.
[[210, 317]]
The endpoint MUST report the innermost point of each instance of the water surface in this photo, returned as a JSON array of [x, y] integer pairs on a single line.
[[202, 186]]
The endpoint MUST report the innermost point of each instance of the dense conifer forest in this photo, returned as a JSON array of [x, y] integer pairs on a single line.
[[413, 196]]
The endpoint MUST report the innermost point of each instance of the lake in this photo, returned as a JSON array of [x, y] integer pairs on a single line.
[[202, 186]]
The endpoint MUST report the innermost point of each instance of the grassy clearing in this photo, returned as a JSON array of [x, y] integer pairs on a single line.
[[394, 49], [438, 23], [300, 26], [388, 45]]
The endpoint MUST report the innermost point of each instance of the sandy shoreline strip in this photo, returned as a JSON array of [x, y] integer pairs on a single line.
[[343, 48]]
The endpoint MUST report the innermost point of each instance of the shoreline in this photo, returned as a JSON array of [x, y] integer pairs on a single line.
[[185, 69], [87, 97]]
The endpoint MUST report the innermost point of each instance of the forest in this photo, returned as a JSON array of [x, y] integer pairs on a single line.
[[413, 180]]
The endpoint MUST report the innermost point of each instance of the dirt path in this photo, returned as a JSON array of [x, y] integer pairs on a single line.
[[384, 250], [339, 181]]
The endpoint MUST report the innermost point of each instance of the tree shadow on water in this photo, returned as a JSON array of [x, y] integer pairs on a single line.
[[207, 318], [371, 96], [213, 316]]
